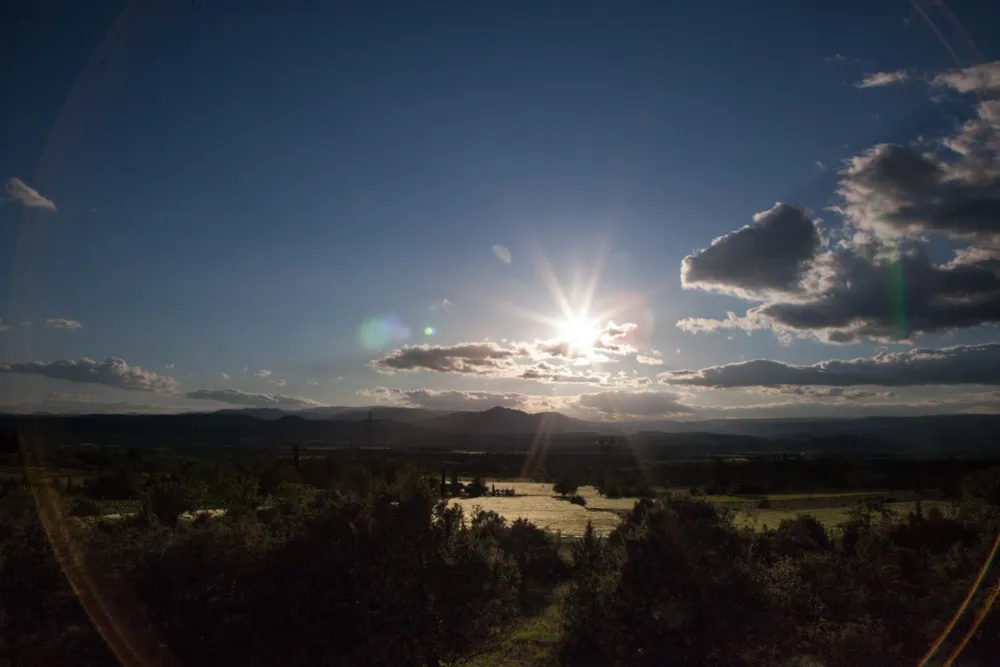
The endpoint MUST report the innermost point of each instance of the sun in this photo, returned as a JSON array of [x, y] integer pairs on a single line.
[[580, 332]]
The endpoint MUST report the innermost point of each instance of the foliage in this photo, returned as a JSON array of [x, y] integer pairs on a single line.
[[565, 486], [577, 499]]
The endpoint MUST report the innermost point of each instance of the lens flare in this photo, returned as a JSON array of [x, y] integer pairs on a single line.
[[376, 333], [429, 331]]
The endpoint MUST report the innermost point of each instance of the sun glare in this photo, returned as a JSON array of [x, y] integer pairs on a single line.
[[579, 332]]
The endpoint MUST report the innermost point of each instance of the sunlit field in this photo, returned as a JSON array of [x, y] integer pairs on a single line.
[[537, 503]]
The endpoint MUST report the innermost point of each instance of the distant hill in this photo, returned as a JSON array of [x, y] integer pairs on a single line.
[[508, 421]]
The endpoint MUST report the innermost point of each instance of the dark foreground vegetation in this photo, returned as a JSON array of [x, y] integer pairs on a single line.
[[355, 558]]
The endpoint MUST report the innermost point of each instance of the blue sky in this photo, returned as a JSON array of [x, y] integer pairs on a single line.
[[203, 190]]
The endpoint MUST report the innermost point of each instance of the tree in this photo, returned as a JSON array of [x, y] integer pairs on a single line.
[[565, 487]]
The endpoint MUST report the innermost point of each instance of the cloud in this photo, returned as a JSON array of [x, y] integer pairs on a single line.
[[623, 404], [875, 279], [312, 383], [468, 358], [168, 366], [546, 372], [825, 393], [511, 359], [431, 399], [237, 397], [279, 383], [22, 193], [225, 377], [957, 365], [61, 323], [502, 253], [112, 372], [984, 78], [897, 190], [444, 305], [879, 79], [4, 327], [773, 254], [263, 373], [653, 358]]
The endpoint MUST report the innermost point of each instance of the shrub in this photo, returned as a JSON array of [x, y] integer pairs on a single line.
[[565, 487], [83, 507], [577, 499]]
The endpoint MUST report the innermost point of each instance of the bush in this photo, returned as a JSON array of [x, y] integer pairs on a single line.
[[565, 487], [83, 507], [577, 499]]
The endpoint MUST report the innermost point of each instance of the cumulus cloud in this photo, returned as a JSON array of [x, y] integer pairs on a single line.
[[279, 383], [898, 190], [875, 279], [62, 323], [526, 360], [263, 373], [168, 366], [112, 372], [879, 79], [312, 383], [772, 254], [624, 404], [957, 365], [225, 377], [485, 358], [20, 192], [237, 397], [984, 78]]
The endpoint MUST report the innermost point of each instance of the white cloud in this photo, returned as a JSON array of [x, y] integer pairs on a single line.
[[984, 78], [451, 400], [652, 358], [442, 305], [22, 193], [62, 323], [112, 372], [312, 383], [879, 79], [225, 377], [502, 253], [279, 383], [263, 373], [168, 366]]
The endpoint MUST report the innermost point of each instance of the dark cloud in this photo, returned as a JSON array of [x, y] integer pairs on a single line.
[[467, 358], [62, 323], [772, 254], [624, 404], [112, 372], [825, 393], [20, 192], [237, 397], [898, 191], [961, 364]]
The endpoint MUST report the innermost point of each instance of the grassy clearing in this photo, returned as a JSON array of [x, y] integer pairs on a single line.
[[119, 506], [828, 516], [533, 642], [536, 502]]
